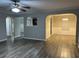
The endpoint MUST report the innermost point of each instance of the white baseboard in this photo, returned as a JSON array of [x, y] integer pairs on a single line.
[[6, 39], [24, 38], [3, 40], [17, 36], [34, 38]]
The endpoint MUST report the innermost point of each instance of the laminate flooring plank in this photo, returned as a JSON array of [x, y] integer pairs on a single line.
[[57, 46]]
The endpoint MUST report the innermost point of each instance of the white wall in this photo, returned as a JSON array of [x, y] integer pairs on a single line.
[[35, 32]]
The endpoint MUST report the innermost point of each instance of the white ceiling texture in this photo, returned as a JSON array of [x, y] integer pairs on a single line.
[[40, 5]]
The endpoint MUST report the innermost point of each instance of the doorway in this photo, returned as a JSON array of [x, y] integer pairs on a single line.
[[61, 35], [14, 29], [64, 24]]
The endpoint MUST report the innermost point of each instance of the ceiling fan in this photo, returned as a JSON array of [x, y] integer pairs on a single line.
[[17, 7]]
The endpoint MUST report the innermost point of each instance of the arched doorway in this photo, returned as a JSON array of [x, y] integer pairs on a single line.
[[63, 21], [61, 34]]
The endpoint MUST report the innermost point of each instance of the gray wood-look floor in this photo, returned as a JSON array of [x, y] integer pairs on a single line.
[[57, 46], [23, 48]]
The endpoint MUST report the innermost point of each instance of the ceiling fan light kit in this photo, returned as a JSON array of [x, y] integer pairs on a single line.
[[16, 10], [17, 7]]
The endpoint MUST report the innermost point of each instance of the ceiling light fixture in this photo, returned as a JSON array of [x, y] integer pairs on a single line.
[[65, 19], [16, 10]]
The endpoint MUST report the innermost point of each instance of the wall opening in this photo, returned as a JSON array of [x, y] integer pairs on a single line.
[[61, 24]]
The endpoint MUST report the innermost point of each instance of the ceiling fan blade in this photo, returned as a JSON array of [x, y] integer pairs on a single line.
[[27, 7], [17, 4], [15, 0], [24, 7], [23, 10]]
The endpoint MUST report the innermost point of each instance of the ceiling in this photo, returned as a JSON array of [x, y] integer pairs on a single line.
[[40, 5]]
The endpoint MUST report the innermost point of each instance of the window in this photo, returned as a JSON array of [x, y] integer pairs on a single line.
[[29, 21], [34, 21]]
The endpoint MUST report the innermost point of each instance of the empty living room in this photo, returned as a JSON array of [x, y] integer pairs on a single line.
[[39, 28]]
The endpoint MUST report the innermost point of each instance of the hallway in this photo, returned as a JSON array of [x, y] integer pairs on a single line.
[[61, 35], [61, 46]]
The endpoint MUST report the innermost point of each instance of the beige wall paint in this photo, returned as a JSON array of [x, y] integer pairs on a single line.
[[48, 27], [52, 25], [64, 27]]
